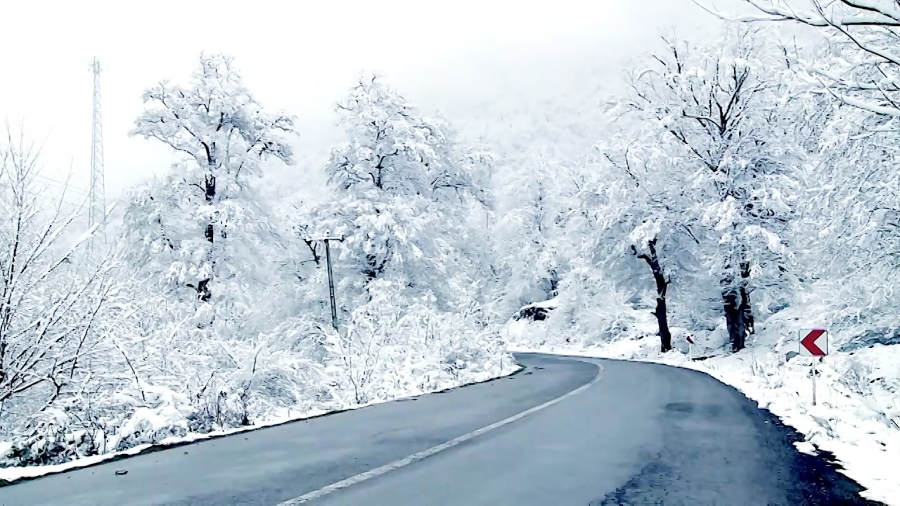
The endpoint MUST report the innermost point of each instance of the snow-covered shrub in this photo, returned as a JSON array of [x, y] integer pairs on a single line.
[[392, 347]]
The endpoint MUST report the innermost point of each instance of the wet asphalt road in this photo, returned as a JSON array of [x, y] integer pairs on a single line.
[[643, 434]]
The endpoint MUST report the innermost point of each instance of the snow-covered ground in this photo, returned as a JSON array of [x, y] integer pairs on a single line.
[[856, 417]]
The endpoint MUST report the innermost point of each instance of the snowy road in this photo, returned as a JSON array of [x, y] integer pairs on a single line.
[[643, 434]]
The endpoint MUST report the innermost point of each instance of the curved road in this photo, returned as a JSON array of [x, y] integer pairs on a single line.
[[641, 434]]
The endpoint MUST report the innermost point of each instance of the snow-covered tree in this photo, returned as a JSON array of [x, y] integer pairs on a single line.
[[862, 67], [404, 191], [408, 198], [717, 110], [852, 196], [849, 223], [644, 212], [50, 294], [197, 225], [530, 234]]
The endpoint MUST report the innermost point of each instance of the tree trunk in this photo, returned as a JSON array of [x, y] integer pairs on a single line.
[[745, 308], [662, 285], [738, 314], [734, 318], [203, 290], [210, 197]]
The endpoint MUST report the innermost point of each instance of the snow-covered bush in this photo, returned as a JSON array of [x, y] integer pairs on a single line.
[[388, 349]]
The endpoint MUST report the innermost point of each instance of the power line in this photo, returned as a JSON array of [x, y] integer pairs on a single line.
[[64, 184]]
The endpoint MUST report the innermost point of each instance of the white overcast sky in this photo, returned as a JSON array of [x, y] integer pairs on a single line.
[[300, 56]]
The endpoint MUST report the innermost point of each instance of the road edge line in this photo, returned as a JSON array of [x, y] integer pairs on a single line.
[[397, 464]]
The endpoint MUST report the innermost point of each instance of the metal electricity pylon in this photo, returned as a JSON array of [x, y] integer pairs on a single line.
[[97, 193]]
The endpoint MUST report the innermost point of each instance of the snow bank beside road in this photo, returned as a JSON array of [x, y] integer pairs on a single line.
[[12, 474], [856, 417]]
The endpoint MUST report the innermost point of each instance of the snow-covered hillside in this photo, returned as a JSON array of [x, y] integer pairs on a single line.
[[733, 189]]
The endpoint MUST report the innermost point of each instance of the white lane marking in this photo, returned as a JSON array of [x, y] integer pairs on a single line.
[[378, 471]]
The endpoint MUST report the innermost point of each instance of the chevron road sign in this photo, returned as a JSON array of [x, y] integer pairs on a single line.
[[813, 342]]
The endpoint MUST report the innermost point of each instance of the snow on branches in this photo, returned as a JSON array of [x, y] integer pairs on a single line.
[[222, 134], [403, 192], [862, 66], [852, 194], [719, 113], [49, 295]]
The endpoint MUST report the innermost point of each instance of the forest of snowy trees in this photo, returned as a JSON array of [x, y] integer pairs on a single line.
[[735, 181]]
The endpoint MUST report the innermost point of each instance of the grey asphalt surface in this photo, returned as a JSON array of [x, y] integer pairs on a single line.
[[644, 434]]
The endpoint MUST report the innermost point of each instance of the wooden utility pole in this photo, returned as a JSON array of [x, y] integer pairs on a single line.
[[327, 241]]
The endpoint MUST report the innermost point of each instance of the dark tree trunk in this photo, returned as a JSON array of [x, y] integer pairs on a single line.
[[662, 285], [745, 308], [210, 195], [735, 318], [203, 290], [738, 312]]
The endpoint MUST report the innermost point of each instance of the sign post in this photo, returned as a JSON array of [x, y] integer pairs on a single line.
[[690, 341], [814, 343], [814, 380]]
